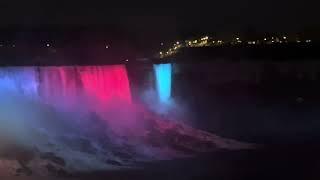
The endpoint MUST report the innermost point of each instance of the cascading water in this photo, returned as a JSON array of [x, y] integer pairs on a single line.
[[96, 141], [69, 86], [21, 80], [106, 83], [163, 81], [59, 86]]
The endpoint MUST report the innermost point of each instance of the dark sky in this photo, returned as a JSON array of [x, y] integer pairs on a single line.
[[166, 20], [218, 15]]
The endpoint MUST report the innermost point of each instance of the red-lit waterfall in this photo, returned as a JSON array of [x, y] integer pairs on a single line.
[[106, 83], [69, 86]]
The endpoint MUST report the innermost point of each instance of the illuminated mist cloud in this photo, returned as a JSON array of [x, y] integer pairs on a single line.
[[163, 81]]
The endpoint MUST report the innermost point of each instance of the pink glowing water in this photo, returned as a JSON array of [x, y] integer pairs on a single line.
[[106, 83], [69, 86]]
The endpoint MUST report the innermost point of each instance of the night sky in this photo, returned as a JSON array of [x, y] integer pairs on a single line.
[[147, 23]]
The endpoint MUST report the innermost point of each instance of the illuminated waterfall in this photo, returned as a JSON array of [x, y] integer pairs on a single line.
[[163, 81], [20, 80], [69, 86]]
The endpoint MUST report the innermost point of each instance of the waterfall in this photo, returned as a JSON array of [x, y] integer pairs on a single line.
[[69, 86], [163, 81], [106, 83], [59, 86], [20, 80]]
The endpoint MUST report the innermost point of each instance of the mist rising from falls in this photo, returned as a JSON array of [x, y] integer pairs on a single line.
[[101, 91], [85, 115], [42, 105]]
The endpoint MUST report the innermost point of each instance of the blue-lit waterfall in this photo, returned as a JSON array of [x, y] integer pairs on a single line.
[[21, 80], [163, 81]]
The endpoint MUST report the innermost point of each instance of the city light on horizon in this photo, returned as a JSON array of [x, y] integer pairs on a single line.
[[203, 42]]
